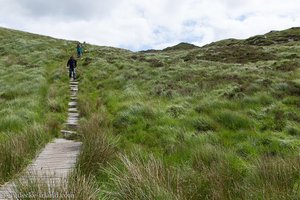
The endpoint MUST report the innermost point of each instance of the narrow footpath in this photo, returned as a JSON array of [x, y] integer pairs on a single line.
[[58, 158]]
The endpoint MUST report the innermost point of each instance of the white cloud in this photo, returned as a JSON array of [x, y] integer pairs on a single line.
[[137, 24]]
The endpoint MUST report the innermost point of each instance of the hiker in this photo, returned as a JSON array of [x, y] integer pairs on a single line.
[[79, 50], [72, 64]]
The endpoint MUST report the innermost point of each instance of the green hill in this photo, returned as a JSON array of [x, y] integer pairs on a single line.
[[181, 46], [213, 122], [275, 37]]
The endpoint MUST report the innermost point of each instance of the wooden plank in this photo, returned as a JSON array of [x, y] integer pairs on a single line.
[[72, 104], [73, 110], [50, 162]]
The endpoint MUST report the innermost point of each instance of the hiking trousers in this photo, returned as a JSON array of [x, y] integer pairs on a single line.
[[72, 72], [79, 53]]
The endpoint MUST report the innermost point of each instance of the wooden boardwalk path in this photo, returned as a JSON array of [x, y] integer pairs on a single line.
[[58, 158]]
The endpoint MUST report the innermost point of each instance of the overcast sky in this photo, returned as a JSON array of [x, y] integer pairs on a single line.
[[145, 24]]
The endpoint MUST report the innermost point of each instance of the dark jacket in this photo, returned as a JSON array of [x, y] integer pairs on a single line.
[[72, 63]]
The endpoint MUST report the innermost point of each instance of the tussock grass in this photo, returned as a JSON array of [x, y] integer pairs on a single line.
[[11, 123], [204, 123], [175, 110], [53, 124], [16, 149], [275, 178], [218, 175], [151, 178], [85, 106], [143, 179], [97, 148], [222, 172], [207, 155], [54, 105], [76, 186], [293, 130], [233, 120]]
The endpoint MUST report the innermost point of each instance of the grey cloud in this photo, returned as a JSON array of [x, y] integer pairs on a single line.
[[75, 9], [138, 24]]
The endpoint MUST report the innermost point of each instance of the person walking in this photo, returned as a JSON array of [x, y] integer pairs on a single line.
[[72, 64], [79, 50]]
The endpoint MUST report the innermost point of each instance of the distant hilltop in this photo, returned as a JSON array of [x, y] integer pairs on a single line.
[[271, 38]]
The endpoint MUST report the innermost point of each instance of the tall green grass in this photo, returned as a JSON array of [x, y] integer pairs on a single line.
[[30, 110], [187, 127], [15, 150], [98, 148], [143, 180], [274, 178], [76, 186]]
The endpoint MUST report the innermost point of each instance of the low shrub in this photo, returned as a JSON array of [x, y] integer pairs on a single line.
[[175, 110]]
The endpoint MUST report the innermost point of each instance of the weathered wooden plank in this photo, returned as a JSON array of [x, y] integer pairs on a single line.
[[73, 82], [73, 110], [51, 162], [72, 104]]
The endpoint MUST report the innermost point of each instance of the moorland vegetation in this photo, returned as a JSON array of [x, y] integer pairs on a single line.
[[214, 122]]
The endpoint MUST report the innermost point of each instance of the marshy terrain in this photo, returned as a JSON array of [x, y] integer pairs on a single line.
[[214, 122]]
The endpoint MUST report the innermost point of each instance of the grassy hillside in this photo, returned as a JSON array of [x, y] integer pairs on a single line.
[[32, 96], [216, 122]]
